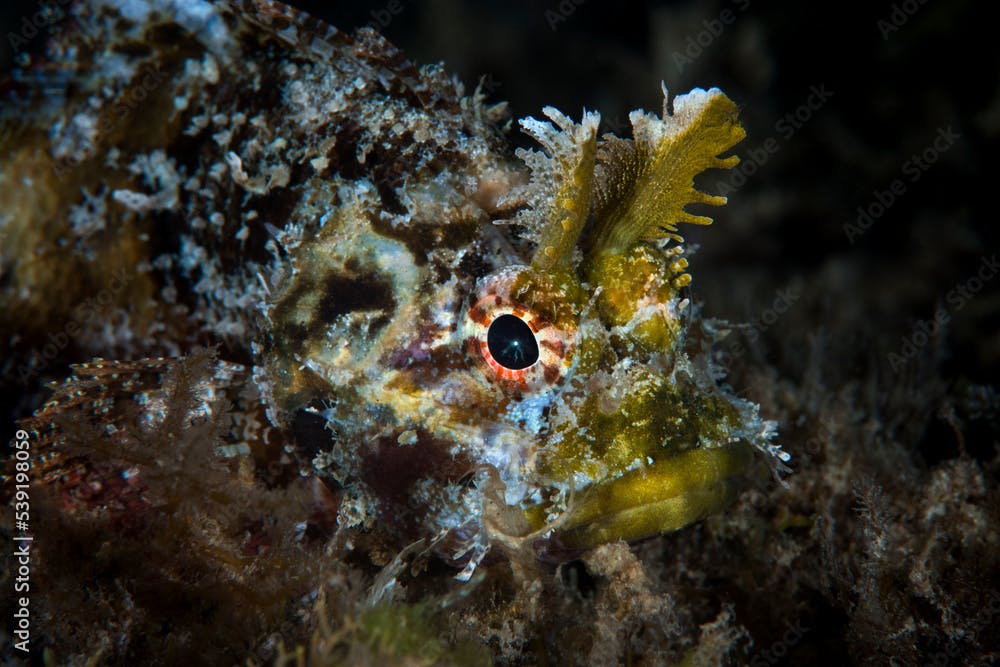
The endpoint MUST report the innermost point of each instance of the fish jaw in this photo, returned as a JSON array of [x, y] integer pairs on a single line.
[[660, 498]]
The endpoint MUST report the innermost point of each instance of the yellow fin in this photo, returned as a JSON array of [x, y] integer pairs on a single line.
[[643, 185], [562, 179]]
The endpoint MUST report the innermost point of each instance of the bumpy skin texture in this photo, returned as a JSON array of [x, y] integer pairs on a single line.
[[346, 227]]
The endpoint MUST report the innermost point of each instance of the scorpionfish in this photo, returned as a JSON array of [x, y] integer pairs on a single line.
[[482, 347]]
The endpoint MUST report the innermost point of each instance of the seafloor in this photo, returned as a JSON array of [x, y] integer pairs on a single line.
[[859, 252]]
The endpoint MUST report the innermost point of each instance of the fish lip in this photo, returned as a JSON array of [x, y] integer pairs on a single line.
[[663, 497]]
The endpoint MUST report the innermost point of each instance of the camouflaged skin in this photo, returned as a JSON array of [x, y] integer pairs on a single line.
[[344, 227]]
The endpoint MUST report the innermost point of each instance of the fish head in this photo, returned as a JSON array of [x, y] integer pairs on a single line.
[[541, 380]]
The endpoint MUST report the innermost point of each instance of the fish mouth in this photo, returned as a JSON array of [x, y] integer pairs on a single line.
[[659, 498]]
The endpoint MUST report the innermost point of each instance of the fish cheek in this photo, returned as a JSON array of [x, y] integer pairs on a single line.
[[396, 464], [324, 324]]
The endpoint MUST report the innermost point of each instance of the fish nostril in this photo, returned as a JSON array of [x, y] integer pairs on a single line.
[[512, 342]]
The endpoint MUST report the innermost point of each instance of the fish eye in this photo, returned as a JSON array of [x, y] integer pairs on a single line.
[[512, 344]]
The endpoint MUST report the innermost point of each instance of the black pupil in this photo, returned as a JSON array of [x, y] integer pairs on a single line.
[[512, 343]]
